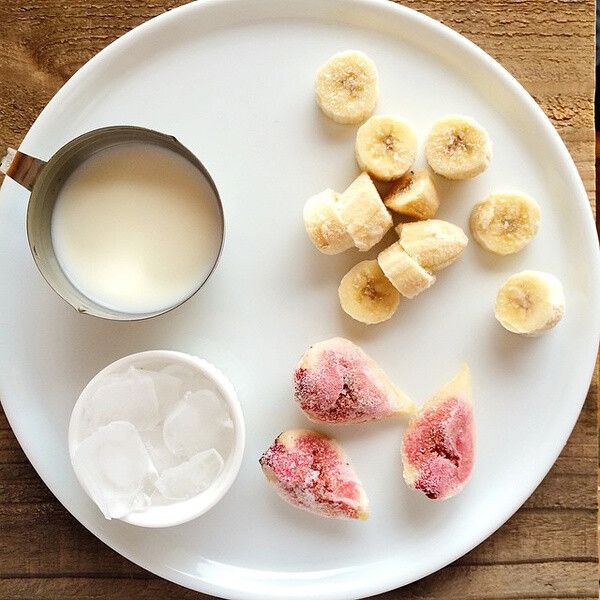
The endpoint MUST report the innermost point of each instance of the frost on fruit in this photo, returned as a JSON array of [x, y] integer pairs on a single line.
[[362, 213], [336, 382], [323, 225], [505, 222], [386, 147], [346, 87], [457, 147], [439, 444], [312, 472], [414, 195], [367, 295], [403, 271], [434, 244], [530, 302]]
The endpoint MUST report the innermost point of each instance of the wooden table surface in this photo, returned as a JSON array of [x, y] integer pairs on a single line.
[[549, 548]]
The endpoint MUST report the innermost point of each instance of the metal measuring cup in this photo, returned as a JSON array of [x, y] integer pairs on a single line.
[[45, 179]]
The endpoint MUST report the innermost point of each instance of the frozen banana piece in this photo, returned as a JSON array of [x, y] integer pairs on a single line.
[[386, 147], [403, 271], [366, 294], [457, 147], [323, 225], [414, 195], [505, 222], [530, 303], [363, 214], [347, 87], [434, 244]]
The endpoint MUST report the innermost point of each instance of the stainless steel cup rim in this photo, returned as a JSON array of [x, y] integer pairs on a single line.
[[45, 179]]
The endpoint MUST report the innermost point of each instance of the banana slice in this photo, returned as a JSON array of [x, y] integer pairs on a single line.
[[530, 303], [366, 294], [414, 195], [457, 147], [363, 214], [434, 244], [346, 87], [323, 224], [403, 271], [386, 147], [506, 222]]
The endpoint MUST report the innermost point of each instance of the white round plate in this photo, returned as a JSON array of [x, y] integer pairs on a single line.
[[233, 81]]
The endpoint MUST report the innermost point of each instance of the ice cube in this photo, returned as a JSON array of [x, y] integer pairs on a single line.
[[114, 467], [129, 396], [190, 380], [168, 390], [199, 422], [162, 458], [192, 477]]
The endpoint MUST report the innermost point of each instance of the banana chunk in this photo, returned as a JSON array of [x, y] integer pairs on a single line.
[[403, 271], [386, 147], [505, 222], [347, 87], [363, 214], [414, 195], [366, 294], [434, 244], [323, 225], [457, 147], [530, 303]]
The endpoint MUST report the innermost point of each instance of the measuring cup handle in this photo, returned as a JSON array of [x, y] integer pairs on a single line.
[[24, 169]]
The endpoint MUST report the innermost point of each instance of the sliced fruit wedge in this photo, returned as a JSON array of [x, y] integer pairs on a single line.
[[312, 472], [403, 271], [434, 244], [439, 445], [414, 195], [362, 213], [337, 382], [323, 225]]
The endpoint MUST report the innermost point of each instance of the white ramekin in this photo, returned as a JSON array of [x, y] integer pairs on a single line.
[[176, 512]]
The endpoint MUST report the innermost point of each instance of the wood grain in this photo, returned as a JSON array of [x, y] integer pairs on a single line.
[[549, 548]]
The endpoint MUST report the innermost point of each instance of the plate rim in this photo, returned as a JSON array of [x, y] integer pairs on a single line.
[[437, 28]]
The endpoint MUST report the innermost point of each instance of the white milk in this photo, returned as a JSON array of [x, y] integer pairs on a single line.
[[136, 228]]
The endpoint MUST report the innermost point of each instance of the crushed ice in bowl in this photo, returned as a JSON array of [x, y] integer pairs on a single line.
[[151, 436]]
